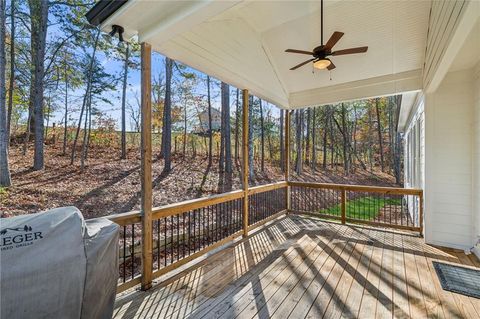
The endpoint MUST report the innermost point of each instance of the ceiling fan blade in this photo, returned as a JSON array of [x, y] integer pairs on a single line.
[[298, 51], [350, 51], [333, 40], [331, 66], [302, 64]]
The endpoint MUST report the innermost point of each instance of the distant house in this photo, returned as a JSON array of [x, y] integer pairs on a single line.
[[202, 128]]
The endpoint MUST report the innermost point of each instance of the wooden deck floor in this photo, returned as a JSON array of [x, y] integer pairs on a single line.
[[299, 267]]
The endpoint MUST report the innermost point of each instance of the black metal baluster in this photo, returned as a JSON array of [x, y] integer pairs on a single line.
[[165, 239], [171, 239], [158, 243], [178, 237], [183, 236], [204, 230], [133, 250], [217, 223], [124, 252], [230, 217]]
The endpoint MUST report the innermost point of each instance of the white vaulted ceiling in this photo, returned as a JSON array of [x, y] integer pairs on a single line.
[[243, 43]]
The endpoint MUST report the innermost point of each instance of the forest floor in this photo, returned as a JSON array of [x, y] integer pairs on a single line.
[[109, 185]]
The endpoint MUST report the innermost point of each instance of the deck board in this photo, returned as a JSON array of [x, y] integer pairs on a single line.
[[301, 267]]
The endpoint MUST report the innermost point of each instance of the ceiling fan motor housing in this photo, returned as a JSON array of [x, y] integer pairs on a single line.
[[320, 52]]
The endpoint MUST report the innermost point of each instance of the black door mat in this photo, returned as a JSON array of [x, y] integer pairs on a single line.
[[465, 281]]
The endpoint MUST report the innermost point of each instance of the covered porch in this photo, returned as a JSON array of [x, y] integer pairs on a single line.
[[288, 262], [298, 266]]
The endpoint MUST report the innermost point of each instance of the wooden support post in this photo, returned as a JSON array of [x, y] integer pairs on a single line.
[[146, 167], [245, 161], [344, 205], [287, 158], [420, 208]]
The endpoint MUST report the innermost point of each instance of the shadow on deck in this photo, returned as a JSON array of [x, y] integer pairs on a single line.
[[298, 267]]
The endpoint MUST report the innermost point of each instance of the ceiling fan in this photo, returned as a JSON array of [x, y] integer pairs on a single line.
[[321, 52]]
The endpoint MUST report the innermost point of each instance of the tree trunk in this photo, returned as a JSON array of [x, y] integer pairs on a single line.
[[298, 142], [325, 136], [66, 105], [332, 143], [210, 132], [49, 108], [5, 179], [307, 138], [251, 172], [12, 70], [282, 144], [380, 139], [370, 137], [226, 131], [167, 118], [124, 101], [85, 97], [262, 137], [185, 128], [354, 135], [313, 160], [237, 125], [39, 21], [85, 134], [221, 162], [397, 158], [346, 167]]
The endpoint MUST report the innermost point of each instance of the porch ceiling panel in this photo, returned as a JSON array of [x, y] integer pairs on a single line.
[[243, 43]]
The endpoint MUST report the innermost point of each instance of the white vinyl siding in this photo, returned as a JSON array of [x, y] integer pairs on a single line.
[[449, 161], [476, 159]]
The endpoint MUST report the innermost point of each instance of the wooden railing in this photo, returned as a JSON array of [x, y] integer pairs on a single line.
[[184, 231], [399, 208]]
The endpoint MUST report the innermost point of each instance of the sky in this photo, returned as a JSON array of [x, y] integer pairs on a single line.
[[115, 66]]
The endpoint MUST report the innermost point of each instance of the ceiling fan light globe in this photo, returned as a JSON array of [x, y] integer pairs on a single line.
[[322, 64]]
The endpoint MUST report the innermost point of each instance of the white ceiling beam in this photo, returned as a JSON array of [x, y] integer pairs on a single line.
[[368, 88]]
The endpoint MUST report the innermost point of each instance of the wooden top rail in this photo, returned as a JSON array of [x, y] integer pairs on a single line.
[[185, 206], [124, 219], [361, 188], [134, 217], [267, 187], [181, 207]]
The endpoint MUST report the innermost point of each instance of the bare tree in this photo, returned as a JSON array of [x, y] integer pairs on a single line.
[[251, 173], [313, 160], [210, 131], [282, 143], [39, 21], [298, 141], [379, 130], [346, 166], [307, 137], [12, 69], [226, 129], [237, 125], [5, 179], [262, 136], [86, 96], [325, 135], [65, 131], [167, 118], [124, 101]]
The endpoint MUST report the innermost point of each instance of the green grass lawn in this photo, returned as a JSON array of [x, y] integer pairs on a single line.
[[366, 208]]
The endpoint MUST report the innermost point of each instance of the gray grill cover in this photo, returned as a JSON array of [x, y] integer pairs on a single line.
[[56, 265]]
